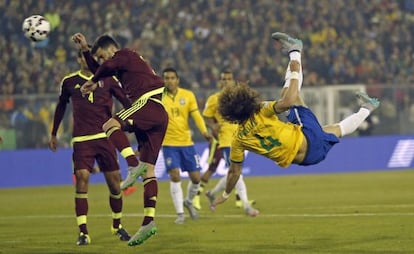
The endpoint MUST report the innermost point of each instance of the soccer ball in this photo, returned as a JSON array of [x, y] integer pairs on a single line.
[[36, 28]]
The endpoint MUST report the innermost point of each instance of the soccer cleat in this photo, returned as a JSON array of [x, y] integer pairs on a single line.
[[251, 211], [121, 233], [367, 102], [83, 239], [143, 234], [133, 174], [180, 219], [196, 202], [128, 191], [211, 199], [239, 203], [288, 43], [191, 210]]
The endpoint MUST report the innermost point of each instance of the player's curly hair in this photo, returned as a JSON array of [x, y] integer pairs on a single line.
[[238, 103]]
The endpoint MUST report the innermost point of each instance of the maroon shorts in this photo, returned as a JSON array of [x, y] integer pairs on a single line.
[[100, 150], [150, 124]]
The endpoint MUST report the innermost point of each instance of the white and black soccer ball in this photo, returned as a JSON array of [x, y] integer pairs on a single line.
[[36, 28]]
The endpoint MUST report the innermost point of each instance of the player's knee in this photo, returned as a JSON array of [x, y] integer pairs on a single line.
[[110, 125]]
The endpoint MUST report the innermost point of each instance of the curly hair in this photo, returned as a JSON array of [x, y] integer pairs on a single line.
[[238, 103]]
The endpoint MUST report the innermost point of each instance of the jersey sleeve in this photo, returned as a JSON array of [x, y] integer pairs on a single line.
[[110, 66], [210, 106], [60, 108], [93, 65], [236, 151], [118, 92], [267, 108]]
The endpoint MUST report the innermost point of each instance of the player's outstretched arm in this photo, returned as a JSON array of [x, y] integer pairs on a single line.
[[232, 177]]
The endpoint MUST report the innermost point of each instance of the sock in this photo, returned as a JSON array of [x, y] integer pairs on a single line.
[[242, 192], [201, 188], [192, 190], [150, 199], [115, 202], [220, 186], [351, 123], [294, 55], [120, 141], [177, 196], [81, 208]]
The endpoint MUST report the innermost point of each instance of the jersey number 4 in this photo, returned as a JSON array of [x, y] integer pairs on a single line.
[[267, 142]]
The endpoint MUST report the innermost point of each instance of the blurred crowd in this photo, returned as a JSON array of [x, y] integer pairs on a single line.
[[345, 42]]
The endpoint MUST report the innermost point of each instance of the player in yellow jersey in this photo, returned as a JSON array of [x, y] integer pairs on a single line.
[[223, 133], [178, 146], [301, 140]]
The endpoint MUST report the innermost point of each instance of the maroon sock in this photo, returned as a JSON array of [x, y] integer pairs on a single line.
[[120, 141], [81, 208], [116, 207], [150, 198]]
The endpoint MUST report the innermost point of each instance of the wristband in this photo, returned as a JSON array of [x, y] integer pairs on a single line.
[[294, 75], [225, 195]]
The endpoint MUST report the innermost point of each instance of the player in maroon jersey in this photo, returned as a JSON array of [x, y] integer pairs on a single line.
[[90, 143], [146, 117]]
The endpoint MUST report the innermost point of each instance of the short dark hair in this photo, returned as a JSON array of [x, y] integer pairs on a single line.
[[226, 71], [103, 42], [170, 69]]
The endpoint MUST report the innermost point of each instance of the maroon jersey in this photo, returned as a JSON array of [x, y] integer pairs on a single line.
[[93, 110], [136, 76]]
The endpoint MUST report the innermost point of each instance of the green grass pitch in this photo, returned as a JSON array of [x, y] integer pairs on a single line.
[[369, 212]]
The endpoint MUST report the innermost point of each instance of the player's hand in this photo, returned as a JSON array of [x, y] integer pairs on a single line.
[[53, 143], [219, 200], [80, 41], [88, 87], [208, 137]]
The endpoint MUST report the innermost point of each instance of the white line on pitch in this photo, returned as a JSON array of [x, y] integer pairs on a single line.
[[305, 215]]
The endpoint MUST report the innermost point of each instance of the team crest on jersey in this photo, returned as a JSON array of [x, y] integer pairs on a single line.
[[77, 86], [182, 101]]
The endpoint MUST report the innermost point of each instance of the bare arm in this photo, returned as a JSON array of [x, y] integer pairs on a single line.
[[233, 176]]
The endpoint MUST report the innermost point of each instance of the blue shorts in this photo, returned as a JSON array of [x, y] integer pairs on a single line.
[[182, 157], [319, 142]]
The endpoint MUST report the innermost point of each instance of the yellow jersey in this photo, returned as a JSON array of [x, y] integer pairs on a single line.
[[227, 129], [267, 135], [179, 107]]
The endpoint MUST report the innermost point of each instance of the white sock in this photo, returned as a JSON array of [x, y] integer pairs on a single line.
[[220, 186], [177, 196], [242, 191], [294, 55], [192, 190], [351, 123]]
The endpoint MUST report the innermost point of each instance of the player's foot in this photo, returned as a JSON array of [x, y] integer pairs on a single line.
[[133, 174], [288, 43], [211, 199], [180, 219], [191, 210], [83, 239], [239, 203], [128, 191], [367, 102], [143, 234], [196, 202], [121, 233], [251, 211]]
